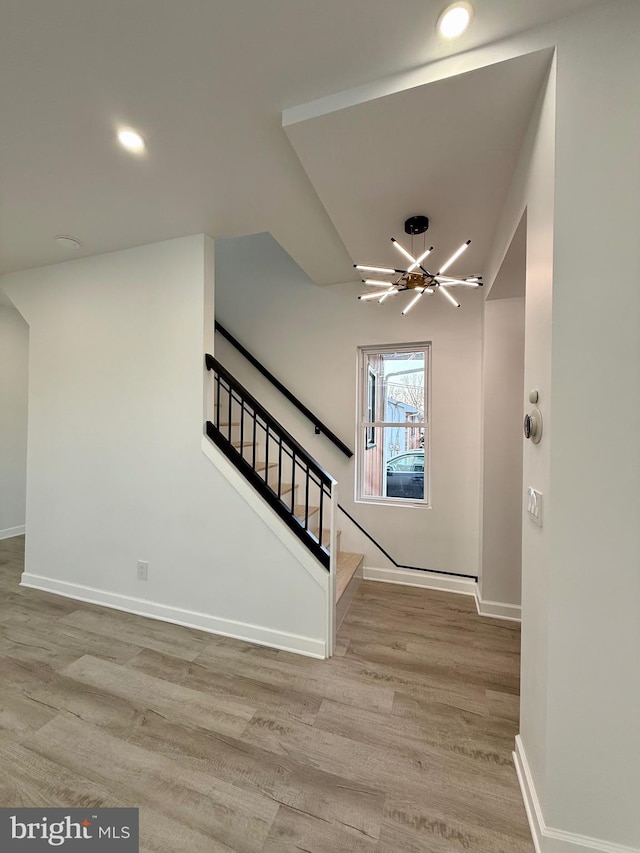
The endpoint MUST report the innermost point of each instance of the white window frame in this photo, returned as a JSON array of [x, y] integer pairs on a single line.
[[364, 426]]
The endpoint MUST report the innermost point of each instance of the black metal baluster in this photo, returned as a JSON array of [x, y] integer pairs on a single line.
[[280, 467], [293, 482], [306, 501], [266, 456], [253, 457], [320, 513], [217, 401], [242, 427], [230, 411]]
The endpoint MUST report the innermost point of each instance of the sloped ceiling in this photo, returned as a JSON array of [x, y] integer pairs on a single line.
[[446, 150]]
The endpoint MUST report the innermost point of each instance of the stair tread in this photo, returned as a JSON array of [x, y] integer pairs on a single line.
[[284, 488], [298, 511], [326, 535], [348, 565]]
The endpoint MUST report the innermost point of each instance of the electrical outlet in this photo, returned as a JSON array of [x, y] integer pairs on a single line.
[[143, 570]]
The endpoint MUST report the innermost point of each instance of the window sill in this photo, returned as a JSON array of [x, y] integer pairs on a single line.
[[397, 502]]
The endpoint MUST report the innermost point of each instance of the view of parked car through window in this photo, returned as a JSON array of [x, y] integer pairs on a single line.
[[393, 438], [405, 475]]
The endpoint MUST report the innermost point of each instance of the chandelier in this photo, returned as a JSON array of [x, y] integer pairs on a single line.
[[416, 278]]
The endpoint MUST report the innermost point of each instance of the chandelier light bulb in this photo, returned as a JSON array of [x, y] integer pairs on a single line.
[[383, 270], [445, 292], [454, 257], [420, 260], [413, 302], [403, 251], [468, 282]]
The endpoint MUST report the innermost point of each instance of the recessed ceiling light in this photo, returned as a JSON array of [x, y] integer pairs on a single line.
[[131, 140], [454, 20], [67, 242]]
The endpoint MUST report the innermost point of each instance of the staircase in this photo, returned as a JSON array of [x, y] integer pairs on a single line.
[[297, 488], [349, 564]]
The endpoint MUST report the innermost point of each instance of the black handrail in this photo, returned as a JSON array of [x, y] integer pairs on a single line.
[[288, 457], [320, 427], [401, 565], [213, 364]]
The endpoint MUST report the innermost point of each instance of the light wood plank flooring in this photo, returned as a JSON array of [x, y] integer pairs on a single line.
[[399, 744]]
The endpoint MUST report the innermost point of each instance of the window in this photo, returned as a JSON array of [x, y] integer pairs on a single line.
[[393, 425], [371, 407]]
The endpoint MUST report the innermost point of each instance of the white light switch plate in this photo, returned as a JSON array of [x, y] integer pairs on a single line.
[[534, 506]]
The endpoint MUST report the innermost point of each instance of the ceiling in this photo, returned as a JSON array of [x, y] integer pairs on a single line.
[[206, 82], [446, 149]]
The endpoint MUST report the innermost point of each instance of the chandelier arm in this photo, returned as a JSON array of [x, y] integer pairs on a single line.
[[455, 282], [373, 268], [403, 251], [391, 292], [454, 257], [415, 299], [447, 279], [446, 293]]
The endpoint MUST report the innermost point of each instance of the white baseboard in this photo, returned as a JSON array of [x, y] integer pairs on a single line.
[[413, 577], [10, 532], [528, 791], [497, 609], [310, 646], [545, 838]]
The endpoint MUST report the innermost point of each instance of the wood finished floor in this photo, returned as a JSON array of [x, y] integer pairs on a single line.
[[399, 744]]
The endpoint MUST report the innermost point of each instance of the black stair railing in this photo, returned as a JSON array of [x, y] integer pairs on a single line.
[[280, 469], [319, 426]]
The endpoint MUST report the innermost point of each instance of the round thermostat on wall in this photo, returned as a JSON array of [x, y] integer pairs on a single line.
[[533, 425]]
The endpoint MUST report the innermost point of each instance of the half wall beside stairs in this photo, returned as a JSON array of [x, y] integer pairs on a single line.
[[288, 479]]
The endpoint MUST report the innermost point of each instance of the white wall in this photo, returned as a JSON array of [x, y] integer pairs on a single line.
[[308, 337], [594, 613], [115, 469], [503, 376], [532, 191], [14, 377], [579, 182]]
